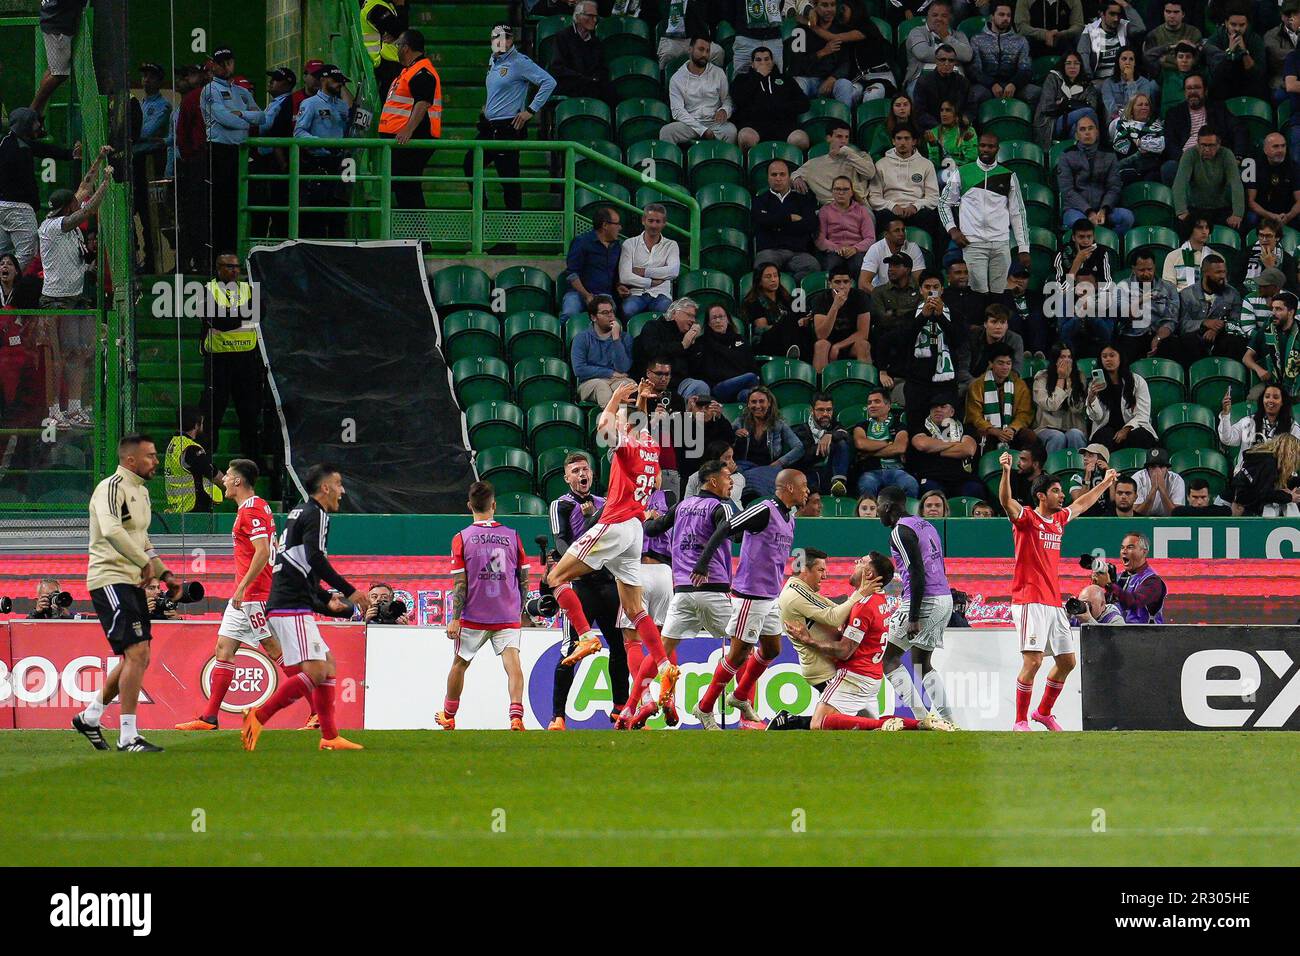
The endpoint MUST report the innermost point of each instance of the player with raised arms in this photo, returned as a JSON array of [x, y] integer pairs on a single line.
[[1036, 610]]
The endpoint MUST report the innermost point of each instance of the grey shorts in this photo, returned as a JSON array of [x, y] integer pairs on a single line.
[[935, 612], [58, 53], [76, 332]]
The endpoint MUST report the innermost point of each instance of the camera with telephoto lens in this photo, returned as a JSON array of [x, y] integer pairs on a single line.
[[57, 599], [387, 612], [1098, 565], [1076, 608], [189, 593]]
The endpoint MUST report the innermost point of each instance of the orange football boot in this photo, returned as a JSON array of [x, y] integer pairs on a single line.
[[667, 683], [445, 721], [585, 648], [251, 730], [198, 723], [556, 724], [338, 743], [516, 723]]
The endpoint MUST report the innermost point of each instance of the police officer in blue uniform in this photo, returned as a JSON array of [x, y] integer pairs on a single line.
[[229, 114], [277, 121], [151, 140], [326, 115]]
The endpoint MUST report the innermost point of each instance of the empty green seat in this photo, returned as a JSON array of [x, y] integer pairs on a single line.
[[1038, 196], [588, 170], [822, 111], [849, 382], [1128, 460], [582, 119], [989, 465], [640, 119], [542, 380], [520, 503], [961, 507], [725, 250], [1211, 377], [470, 332], [972, 25], [587, 201], [1254, 114], [1067, 461], [1186, 425], [657, 160], [713, 161], [509, 469], [576, 324], [624, 36], [724, 206], [555, 425], [481, 379], [495, 424], [1152, 204], [461, 287], [1164, 378], [708, 287], [634, 76], [791, 381], [1158, 240], [871, 113], [533, 334], [547, 28], [526, 287], [1010, 119]]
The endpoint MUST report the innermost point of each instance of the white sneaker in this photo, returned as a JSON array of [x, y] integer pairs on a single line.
[[935, 722], [81, 418], [892, 723], [59, 420], [706, 718], [745, 707]]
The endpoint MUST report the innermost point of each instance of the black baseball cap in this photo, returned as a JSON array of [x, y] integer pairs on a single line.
[[329, 70], [1018, 270], [221, 54], [283, 73], [151, 68], [1158, 456], [942, 398], [900, 259]]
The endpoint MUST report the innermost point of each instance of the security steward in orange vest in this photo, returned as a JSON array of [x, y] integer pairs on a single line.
[[412, 111]]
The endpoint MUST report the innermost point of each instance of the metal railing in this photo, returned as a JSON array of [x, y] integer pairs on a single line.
[[451, 230]]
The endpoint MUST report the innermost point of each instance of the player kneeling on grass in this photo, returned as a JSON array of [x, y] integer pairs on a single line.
[[487, 602]]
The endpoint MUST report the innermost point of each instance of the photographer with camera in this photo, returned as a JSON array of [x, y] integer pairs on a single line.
[[1090, 607], [1138, 592], [52, 604], [384, 607], [160, 607]]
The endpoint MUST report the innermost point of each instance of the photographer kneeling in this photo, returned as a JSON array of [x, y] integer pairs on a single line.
[[1138, 592], [1090, 607], [52, 604], [161, 608], [384, 609]]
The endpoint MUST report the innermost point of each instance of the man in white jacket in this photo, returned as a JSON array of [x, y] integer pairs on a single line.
[[906, 187], [700, 100], [991, 210]]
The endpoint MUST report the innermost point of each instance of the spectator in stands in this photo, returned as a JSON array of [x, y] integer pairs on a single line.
[[1159, 490], [310, 83], [1123, 496], [1119, 405], [941, 452], [1158, 49], [764, 443], [723, 452], [995, 332], [1137, 137], [999, 408], [700, 100], [233, 365], [1103, 38], [666, 409], [1025, 308], [1267, 254], [1091, 316], [785, 224], [601, 354], [934, 505], [768, 310], [324, 116], [1096, 460], [995, 211], [825, 461], [892, 307], [943, 84], [1029, 467], [1183, 265], [824, 67], [413, 110], [1271, 418], [893, 242], [1278, 346], [230, 114], [841, 320], [1256, 310], [592, 263], [671, 339], [60, 21], [1236, 56], [510, 76], [1001, 67], [1059, 399], [1088, 181], [932, 351], [812, 507], [906, 187], [1152, 313], [648, 264], [882, 134], [190, 479], [19, 150], [1068, 96], [1184, 122], [1278, 42], [1200, 503], [577, 60], [840, 159], [277, 120], [867, 506], [923, 42], [20, 399], [1118, 90], [685, 20], [768, 104], [1269, 483], [721, 358], [846, 229], [966, 306], [1051, 26], [1274, 192], [871, 56], [952, 143], [1208, 183], [1206, 310], [1083, 255], [710, 428], [880, 441], [756, 24]]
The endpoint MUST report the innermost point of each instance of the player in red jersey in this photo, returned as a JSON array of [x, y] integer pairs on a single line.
[[244, 620], [614, 542], [859, 652], [1036, 609]]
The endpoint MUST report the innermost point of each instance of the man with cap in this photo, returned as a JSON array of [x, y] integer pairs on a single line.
[[154, 115], [941, 453], [412, 110], [1096, 459], [19, 196], [277, 121], [510, 74], [324, 116], [310, 83], [60, 21], [1159, 490], [229, 114]]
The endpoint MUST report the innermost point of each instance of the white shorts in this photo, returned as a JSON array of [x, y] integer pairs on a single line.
[[935, 613], [851, 693], [471, 641], [614, 547], [1043, 628], [299, 638], [657, 593], [753, 617], [58, 53], [693, 612], [246, 624]]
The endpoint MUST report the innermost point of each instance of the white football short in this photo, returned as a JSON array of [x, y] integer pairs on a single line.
[[753, 617], [693, 612], [299, 638], [58, 54], [851, 693], [246, 624], [471, 641], [656, 592], [614, 547], [1043, 628], [936, 610]]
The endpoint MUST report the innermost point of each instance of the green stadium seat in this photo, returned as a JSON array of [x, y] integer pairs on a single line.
[[725, 37], [1158, 240], [1010, 119], [1128, 460], [509, 469], [1054, 156], [989, 465], [1086, 365], [582, 119], [461, 287], [640, 119], [1164, 378], [791, 381], [1254, 114], [961, 506], [1032, 367], [725, 250], [708, 287], [1208, 463], [471, 332], [571, 329], [678, 214], [542, 380], [531, 334], [550, 470], [1211, 377], [495, 424], [1025, 159], [972, 25], [1043, 65], [481, 379], [526, 288], [724, 206], [747, 282], [762, 154], [886, 30], [555, 425], [1067, 461], [821, 112], [520, 503], [815, 282], [796, 413], [1186, 425], [922, 239], [634, 76], [906, 27], [625, 36], [640, 320], [1152, 204], [849, 382], [586, 201], [871, 113], [713, 161], [1226, 241], [660, 161], [547, 28], [588, 170], [833, 507]]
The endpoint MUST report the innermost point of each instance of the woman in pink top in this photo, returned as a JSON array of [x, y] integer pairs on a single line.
[[847, 228]]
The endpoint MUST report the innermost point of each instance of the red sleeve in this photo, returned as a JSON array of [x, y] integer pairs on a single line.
[[256, 525], [1024, 520], [457, 553], [1064, 516]]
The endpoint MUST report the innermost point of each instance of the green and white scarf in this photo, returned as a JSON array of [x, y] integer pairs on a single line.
[[762, 14], [999, 412], [883, 431], [632, 8], [676, 17], [931, 343], [1255, 312], [1283, 359]]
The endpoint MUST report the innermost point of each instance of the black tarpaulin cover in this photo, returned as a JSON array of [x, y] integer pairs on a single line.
[[351, 340]]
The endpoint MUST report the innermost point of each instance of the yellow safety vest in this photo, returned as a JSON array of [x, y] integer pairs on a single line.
[[375, 46], [242, 339], [179, 483]]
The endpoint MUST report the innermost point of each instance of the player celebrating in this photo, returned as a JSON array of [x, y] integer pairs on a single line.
[[301, 563], [657, 584], [921, 617], [486, 605], [1036, 609], [614, 541], [768, 528]]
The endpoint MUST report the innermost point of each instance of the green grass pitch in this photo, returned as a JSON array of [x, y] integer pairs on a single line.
[[740, 798]]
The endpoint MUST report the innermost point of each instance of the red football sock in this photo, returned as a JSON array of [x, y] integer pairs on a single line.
[[300, 685], [322, 701], [279, 662], [1052, 691], [449, 707], [849, 722], [572, 608], [222, 674], [641, 681], [635, 655], [1023, 691], [721, 675], [749, 675], [516, 710], [649, 634]]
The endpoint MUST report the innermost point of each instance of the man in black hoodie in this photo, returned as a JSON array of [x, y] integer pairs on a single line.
[[768, 104], [19, 195], [1180, 130]]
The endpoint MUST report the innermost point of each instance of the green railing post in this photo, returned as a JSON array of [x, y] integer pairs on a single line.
[[244, 220], [478, 195], [570, 179], [386, 190], [295, 168]]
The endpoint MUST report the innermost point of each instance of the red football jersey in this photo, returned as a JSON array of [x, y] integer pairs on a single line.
[[866, 626], [253, 520], [632, 479], [1038, 555]]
